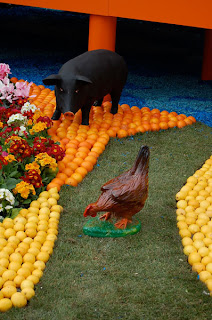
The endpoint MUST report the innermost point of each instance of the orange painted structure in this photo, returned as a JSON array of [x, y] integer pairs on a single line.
[[102, 27]]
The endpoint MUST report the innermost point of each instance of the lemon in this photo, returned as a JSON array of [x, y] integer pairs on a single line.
[[53, 237], [54, 220], [203, 204], [44, 216], [39, 265], [34, 251], [40, 239], [43, 256], [194, 257], [181, 218], [192, 179], [198, 236], [8, 223], [23, 212], [28, 265], [189, 249], [21, 250], [9, 232], [16, 257], [41, 199], [29, 257], [33, 219], [47, 249], [35, 204], [25, 272], [1, 282], [28, 240], [204, 275], [193, 203], [31, 232], [45, 205], [35, 244], [181, 204], [33, 210], [190, 220], [14, 265], [193, 228], [5, 304], [18, 300], [57, 196], [198, 244], [59, 209], [185, 241], [206, 229], [3, 242], [203, 251], [8, 291], [207, 241], [52, 190], [19, 219], [8, 249], [28, 293], [33, 278], [199, 210], [203, 216], [189, 209], [55, 231], [180, 212], [38, 273], [45, 211], [44, 194], [52, 201], [18, 280], [8, 275], [21, 235], [27, 284], [2, 270], [200, 198], [56, 214], [4, 262], [14, 239], [9, 283], [200, 222], [209, 267], [198, 267]]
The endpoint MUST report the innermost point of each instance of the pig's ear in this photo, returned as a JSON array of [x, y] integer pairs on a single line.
[[53, 79], [84, 79]]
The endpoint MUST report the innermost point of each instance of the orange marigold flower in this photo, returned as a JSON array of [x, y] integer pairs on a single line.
[[24, 188]]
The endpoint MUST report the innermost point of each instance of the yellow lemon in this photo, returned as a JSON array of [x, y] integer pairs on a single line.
[[29, 257], [201, 222], [28, 265], [59, 208], [189, 209], [16, 257], [19, 300], [203, 204], [9, 283], [45, 205], [193, 228], [31, 232], [208, 283], [4, 255], [198, 244], [34, 251], [190, 220], [33, 210], [39, 265], [2, 270], [185, 241], [182, 204], [44, 211], [55, 214], [18, 280], [207, 241], [53, 190], [204, 275], [14, 265], [14, 239], [9, 232], [5, 304], [52, 201], [40, 239], [41, 199], [8, 291], [8, 275], [8, 223], [33, 278], [194, 257], [28, 240], [44, 216], [43, 256], [209, 267], [198, 236], [1, 282], [8, 249], [181, 218], [27, 284], [203, 216], [20, 219], [184, 232], [199, 210], [181, 195], [55, 231], [180, 211], [54, 219], [4, 262], [57, 196], [44, 194], [198, 267], [35, 204], [192, 179], [21, 250], [23, 212], [38, 273], [25, 272], [21, 235], [3, 242], [47, 249], [206, 229], [189, 249], [28, 293], [35, 244], [203, 251], [193, 203]]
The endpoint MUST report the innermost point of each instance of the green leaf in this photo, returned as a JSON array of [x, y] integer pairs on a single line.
[[15, 212], [11, 183]]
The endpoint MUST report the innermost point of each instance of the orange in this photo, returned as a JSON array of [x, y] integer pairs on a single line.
[[81, 154], [94, 154], [155, 126], [61, 134], [164, 119], [84, 149], [61, 165], [181, 123], [68, 158], [140, 129], [78, 160], [72, 165], [62, 176], [71, 151], [85, 144], [91, 141], [71, 182], [164, 113], [111, 133], [105, 125], [192, 119], [97, 150], [68, 171], [53, 185], [91, 159], [82, 171], [155, 111], [122, 133], [144, 109], [163, 125], [77, 176], [131, 131], [154, 120], [173, 113], [87, 165], [181, 117], [172, 124], [146, 126], [132, 125], [188, 121], [104, 135]]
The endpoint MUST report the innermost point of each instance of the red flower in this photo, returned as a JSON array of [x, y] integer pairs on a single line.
[[46, 120], [21, 149], [33, 177], [38, 147], [56, 152]]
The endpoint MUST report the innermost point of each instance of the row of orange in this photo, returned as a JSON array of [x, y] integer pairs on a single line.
[[84, 144]]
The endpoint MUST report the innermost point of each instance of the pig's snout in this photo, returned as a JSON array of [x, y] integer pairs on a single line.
[[69, 115]]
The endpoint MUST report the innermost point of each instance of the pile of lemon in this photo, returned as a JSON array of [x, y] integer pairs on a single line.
[[26, 244], [194, 216]]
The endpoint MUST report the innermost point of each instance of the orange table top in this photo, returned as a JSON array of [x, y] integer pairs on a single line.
[[194, 13]]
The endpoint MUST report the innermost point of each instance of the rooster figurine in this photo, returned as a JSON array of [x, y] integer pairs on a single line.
[[125, 195]]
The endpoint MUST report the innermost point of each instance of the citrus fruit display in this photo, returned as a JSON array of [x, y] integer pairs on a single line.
[[26, 243], [194, 220], [84, 144]]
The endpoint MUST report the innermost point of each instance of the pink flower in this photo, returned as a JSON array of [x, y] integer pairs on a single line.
[[4, 154], [4, 70], [22, 89]]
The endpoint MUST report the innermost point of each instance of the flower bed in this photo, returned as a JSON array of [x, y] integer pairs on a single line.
[[194, 213]]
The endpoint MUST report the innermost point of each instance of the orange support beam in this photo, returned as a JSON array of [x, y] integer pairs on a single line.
[[207, 56], [102, 32]]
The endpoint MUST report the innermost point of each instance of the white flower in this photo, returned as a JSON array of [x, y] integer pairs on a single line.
[[17, 118], [8, 207], [28, 107], [1, 207], [7, 195], [21, 131]]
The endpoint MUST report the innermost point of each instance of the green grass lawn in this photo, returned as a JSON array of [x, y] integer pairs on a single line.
[[145, 276]]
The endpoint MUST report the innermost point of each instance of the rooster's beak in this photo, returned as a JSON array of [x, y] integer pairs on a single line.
[[87, 213]]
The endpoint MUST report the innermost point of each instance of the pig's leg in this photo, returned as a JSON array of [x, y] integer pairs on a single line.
[[56, 114], [85, 114], [100, 102], [115, 96]]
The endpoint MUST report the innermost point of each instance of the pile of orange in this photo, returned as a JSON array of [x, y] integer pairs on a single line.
[[83, 144]]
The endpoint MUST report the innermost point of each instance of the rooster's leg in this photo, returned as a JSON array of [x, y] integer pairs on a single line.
[[122, 224], [105, 216]]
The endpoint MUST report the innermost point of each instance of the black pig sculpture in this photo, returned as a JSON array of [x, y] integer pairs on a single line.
[[88, 78]]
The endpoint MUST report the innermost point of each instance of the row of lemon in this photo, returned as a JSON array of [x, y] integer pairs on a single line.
[[194, 216], [26, 244]]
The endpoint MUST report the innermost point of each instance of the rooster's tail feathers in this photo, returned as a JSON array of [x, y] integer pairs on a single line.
[[142, 160]]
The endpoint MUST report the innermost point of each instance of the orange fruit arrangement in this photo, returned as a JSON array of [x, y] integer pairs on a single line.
[[84, 144]]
